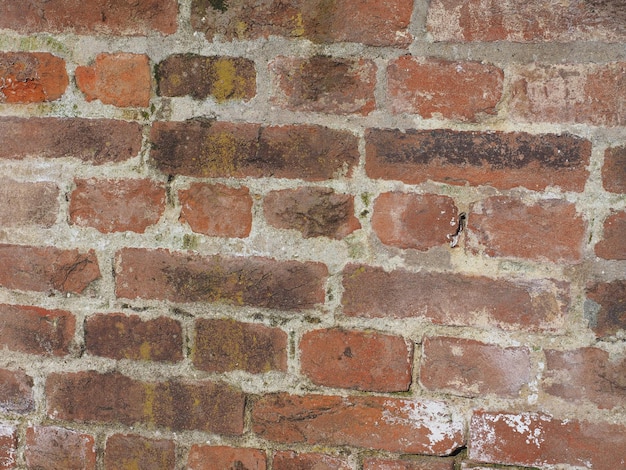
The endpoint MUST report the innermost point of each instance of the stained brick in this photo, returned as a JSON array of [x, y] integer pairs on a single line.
[[125, 452], [8, 447], [614, 169], [28, 204], [55, 447], [202, 457], [613, 244], [16, 392], [31, 77], [289, 460], [422, 463], [605, 307]]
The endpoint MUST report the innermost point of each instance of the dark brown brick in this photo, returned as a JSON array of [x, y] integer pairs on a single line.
[[58, 448], [605, 307], [613, 244], [614, 169], [31, 77], [126, 452], [16, 392]]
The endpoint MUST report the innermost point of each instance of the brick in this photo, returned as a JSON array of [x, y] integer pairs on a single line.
[[324, 84], [421, 463], [588, 94], [117, 205], [28, 204], [47, 268], [369, 22], [186, 277], [471, 368], [464, 91], [8, 447], [120, 79], [129, 337], [453, 299], [222, 149], [95, 141], [54, 447], [217, 210], [585, 374], [125, 452], [383, 423], [528, 21], [16, 392], [367, 361], [614, 169], [203, 457], [224, 344], [35, 330], [114, 398], [613, 245], [417, 221], [31, 77], [539, 440], [315, 212], [140, 17], [605, 307], [222, 78], [548, 230], [289, 460], [503, 160]]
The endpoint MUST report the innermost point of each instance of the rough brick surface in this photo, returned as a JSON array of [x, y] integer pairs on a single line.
[[224, 345], [125, 452], [435, 88], [28, 204], [360, 360], [31, 77], [8, 447], [614, 170], [16, 392], [55, 447], [613, 244], [605, 307], [499, 159], [288, 460], [423, 463], [221, 457]]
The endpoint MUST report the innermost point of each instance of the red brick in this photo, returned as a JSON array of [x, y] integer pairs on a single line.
[[222, 149], [590, 94], [115, 398], [117, 205], [289, 460], [222, 457], [395, 425], [465, 91], [421, 463], [129, 337], [8, 447], [324, 84], [36, 330], [186, 277], [418, 221], [224, 345], [24, 204], [217, 210], [614, 170], [120, 79], [528, 21], [54, 447], [126, 452], [453, 299], [367, 21], [16, 392], [586, 374], [471, 368], [95, 141], [499, 159], [47, 268], [31, 77], [539, 440], [366, 361], [312, 211], [613, 245], [90, 17], [545, 231], [605, 307]]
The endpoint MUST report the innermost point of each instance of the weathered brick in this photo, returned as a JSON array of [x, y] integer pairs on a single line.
[[454, 299], [223, 149], [117, 205], [225, 344], [95, 141], [539, 440], [8, 447], [186, 277], [366, 361], [24, 204], [217, 210], [383, 423], [223, 78], [471, 368], [503, 160], [605, 307], [312, 211], [614, 169], [202, 457], [289, 460], [613, 244], [54, 447], [115, 398], [16, 392], [90, 17], [129, 337], [590, 94], [31, 77], [36, 330], [47, 268], [418, 221], [369, 21], [421, 463], [324, 84], [125, 452], [436, 88], [120, 79]]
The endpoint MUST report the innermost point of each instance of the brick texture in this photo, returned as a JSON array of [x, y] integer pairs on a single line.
[[287, 460], [406, 464], [203, 457], [8, 447], [605, 307], [614, 169], [125, 451], [24, 204], [55, 447], [31, 77], [16, 392], [613, 244]]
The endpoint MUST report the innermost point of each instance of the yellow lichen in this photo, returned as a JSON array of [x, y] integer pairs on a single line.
[[218, 154], [298, 30], [228, 84]]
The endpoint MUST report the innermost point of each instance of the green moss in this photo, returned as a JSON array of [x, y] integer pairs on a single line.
[[190, 242], [366, 198], [219, 5]]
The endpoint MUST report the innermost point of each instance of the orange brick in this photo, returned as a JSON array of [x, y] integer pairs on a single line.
[[31, 77]]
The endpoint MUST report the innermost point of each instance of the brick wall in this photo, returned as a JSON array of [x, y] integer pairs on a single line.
[[229, 234]]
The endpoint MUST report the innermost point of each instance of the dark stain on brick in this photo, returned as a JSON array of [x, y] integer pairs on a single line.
[[608, 313]]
